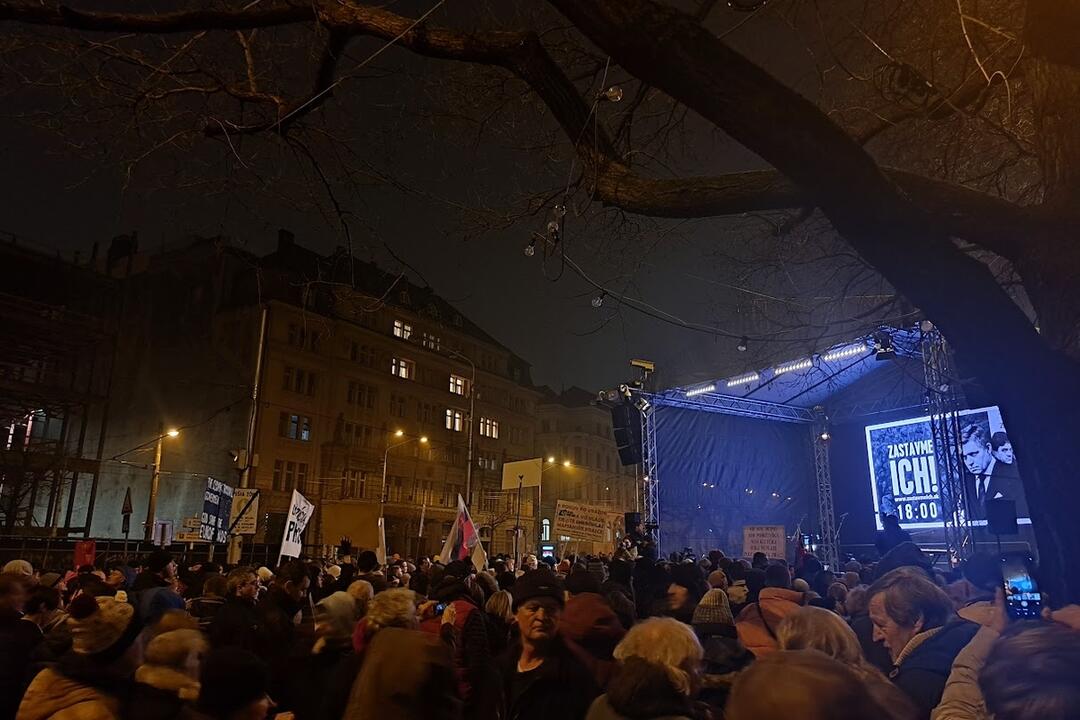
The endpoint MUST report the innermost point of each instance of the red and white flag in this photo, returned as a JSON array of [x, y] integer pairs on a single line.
[[463, 542]]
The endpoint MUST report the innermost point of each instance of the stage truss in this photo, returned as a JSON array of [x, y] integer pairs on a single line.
[[936, 365]]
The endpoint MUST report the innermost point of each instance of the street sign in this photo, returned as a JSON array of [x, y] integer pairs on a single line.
[[126, 525], [127, 510]]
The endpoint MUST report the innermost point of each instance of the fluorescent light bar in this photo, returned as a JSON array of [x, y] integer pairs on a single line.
[[700, 390], [792, 366], [743, 379], [841, 353]]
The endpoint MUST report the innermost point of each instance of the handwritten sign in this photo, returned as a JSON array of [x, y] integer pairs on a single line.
[[300, 511], [249, 520], [581, 522], [769, 539], [217, 505]]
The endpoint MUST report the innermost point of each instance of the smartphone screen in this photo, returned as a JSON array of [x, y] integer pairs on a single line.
[[1022, 596]]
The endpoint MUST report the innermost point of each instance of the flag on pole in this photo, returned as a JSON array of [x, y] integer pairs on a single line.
[[380, 551], [463, 542], [423, 511]]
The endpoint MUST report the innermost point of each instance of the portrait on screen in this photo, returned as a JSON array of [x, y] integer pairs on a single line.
[[906, 476]]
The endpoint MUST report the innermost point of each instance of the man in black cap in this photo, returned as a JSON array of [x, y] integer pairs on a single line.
[[543, 676]]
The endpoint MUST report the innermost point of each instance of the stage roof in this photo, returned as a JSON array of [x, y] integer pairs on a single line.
[[847, 379]]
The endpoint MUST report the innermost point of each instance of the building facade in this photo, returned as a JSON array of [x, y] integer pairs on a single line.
[[576, 435]]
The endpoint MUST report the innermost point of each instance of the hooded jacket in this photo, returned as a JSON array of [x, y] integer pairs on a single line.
[[757, 622]]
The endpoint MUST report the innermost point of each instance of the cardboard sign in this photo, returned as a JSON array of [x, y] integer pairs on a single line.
[[217, 505], [85, 550], [250, 519], [581, 522], [523, 473], [769, 539], [300, 511]]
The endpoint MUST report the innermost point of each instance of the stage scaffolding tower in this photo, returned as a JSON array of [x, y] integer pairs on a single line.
[[943, 402], [650, 483], [830, 543]]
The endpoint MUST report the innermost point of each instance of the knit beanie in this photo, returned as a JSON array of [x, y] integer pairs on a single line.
[[19, 567], [100, 623], [718, 579], [158, 560], [230, 679], [714, 608]]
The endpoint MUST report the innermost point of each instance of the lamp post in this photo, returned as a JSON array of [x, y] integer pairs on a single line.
[[472, 413], [386, 459], [155, 481]]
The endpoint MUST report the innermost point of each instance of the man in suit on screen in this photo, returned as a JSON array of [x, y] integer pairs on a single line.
[[988, 478]]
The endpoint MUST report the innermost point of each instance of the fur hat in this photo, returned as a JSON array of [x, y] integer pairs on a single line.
[[49, 579], [173, 648], [19, 567], [538, 583], [100, 623]]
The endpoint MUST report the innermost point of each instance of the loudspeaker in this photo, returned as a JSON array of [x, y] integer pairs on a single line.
[[1001, 517], [626, 422], [631, 520]]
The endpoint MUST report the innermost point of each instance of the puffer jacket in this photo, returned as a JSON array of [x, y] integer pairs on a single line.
[[757, 622], [52, 696]]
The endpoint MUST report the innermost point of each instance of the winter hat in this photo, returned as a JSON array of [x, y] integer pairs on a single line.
[[582, 581], [172, 649], [338, 610], [230, 679], [718, 579], [49, 580], [800, 585], [19, 567], [714, 608], [537, 584], [100, 623], [334, 571], [158, 560], [265, 574]]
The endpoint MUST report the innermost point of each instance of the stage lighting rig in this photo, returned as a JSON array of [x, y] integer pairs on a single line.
[[883, 347]]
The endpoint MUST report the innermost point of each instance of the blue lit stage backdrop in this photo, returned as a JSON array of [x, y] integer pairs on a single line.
[[720, 472], [906, 477]]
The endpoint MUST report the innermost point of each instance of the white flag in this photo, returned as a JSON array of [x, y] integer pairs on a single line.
[[300, 510]]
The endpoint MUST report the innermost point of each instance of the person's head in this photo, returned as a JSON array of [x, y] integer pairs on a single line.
[[500, 605], [361, 592], [293, 579], [777, 576], [367, 561], [117, 578], [215, 585], [983, 571], [718, 579], [668, 644], [42, 602], [838, 591], [529, 562], [755, 582], [13, 592], [538, 605], [162, 564], [335, 616], [890, 521], [904, 603], [19, 567], [102, 628], [424, 565], [393, 608], [687, 586], [760, 560], [858, 600], [1033, 671], [179, 650], [242, 583], [975, 447], [265, 575], [814, 628], [851, 579], [582, 581], [805, 678], [1002, 448], [234, 685]]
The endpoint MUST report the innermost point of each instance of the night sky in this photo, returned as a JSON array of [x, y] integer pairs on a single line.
[[58, 199]]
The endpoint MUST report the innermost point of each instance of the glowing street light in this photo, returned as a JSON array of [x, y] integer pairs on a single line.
[[172, 432], [566, 463], [399, 433], [423, 438], [551, 458]]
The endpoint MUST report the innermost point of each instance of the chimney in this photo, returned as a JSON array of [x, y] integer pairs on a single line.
[[285, 239]]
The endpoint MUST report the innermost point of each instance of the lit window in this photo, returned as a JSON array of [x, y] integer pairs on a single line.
[[455, 419], [432, 342], [294, 427], [402, 329], [402, 368], [458, 384], [489, 428]]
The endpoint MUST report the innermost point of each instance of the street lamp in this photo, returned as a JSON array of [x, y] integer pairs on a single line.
[[386, 458], [155, 480]]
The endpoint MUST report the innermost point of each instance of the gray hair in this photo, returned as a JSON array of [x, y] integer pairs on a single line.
[[361, 591], [668, 643], [814, 628], [392, 608], [911, 597]]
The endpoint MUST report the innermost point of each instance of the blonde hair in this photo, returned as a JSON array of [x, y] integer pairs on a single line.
[[814, 628], [361, 591], [392, 608], [668, 643], [500, 604]]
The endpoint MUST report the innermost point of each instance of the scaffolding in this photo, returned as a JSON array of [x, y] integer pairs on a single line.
[[650, 483], [830, 535]]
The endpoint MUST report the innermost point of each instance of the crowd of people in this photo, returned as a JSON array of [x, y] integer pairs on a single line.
[[602, 638]]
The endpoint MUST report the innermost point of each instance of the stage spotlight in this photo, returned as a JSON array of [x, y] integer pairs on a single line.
[[642, 404], [926, 326], [883, 347], [825, 436], [743, 344]]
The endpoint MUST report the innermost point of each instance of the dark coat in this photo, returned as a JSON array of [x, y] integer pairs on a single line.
[[324, 680], [563, 688], [160, 694], [236, 624], [923, 673], [642, 691], [280, 642], [18, 639]]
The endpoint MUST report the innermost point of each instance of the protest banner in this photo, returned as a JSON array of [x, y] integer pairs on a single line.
[[217, 504], [769, 539], [247, 523], [580, 522], [300, 511]]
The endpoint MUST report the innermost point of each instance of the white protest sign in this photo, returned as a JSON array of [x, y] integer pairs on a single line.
[[300, 510], [769, 539], [580, 522], [247, 523]]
